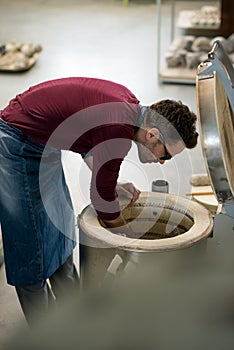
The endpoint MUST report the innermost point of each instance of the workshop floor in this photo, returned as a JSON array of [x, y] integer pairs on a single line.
[[91, 38]]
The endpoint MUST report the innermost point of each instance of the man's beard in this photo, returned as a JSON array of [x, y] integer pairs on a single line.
[[145, 155]]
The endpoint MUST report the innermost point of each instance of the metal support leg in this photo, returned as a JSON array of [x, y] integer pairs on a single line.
[[94, 263]]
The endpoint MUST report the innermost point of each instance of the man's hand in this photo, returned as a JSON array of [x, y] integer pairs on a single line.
[[119, 226], [128, 190]]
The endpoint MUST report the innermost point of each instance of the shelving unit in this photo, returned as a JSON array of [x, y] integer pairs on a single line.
[[181, 75]]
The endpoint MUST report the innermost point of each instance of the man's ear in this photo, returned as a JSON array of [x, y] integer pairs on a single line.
[[152, 134]]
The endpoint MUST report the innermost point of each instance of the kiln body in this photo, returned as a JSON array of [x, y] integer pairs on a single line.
[[163, 223]]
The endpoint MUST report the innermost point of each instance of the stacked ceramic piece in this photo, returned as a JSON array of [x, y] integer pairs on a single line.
[[207, 15], [188, 51], [18, 56]]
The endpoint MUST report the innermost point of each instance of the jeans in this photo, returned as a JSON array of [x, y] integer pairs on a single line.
[[39, 299], [36, 213]]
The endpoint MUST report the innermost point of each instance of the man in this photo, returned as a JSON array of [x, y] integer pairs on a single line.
[[98, 119]]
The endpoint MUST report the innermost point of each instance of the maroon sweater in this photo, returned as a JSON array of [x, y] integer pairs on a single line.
[[82, 115]]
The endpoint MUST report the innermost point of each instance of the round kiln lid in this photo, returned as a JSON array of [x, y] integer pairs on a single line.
[[215, 119]]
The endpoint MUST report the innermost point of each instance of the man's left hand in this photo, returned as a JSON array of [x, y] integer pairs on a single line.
[[128, 190]]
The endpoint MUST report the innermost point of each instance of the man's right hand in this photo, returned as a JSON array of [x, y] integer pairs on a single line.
[[119, 226]]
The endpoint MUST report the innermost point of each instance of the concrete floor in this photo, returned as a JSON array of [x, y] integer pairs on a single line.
[[98, 39]]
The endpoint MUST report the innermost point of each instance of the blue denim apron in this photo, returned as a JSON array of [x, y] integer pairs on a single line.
[[36, 213]]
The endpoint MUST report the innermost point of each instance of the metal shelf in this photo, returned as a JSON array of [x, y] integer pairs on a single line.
[[178, 75]]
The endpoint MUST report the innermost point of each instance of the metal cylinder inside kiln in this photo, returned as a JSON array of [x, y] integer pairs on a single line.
[[162, 222]]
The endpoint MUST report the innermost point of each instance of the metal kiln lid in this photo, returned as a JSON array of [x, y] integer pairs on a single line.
[[215, 105]]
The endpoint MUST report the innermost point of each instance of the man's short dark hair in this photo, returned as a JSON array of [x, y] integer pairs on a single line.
[[175, 121]]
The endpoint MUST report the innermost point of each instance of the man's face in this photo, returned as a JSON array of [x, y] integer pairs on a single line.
[[152, 151]]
